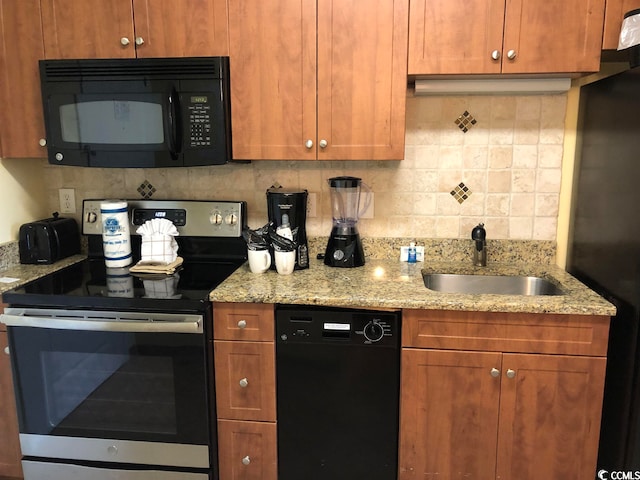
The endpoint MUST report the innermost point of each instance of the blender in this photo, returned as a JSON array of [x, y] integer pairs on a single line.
[[344, 248]]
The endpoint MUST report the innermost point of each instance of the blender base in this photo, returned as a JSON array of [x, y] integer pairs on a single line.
[[344, 250]]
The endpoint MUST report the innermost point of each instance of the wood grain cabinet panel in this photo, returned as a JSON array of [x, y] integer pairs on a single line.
[[138, 28], [505, 36], [21, 119], [321, 80], [247, 450], [244, 321], [514, 412], [10, 455]]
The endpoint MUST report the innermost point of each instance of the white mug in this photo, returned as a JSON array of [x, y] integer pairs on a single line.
[[285, 262], [259, 260]]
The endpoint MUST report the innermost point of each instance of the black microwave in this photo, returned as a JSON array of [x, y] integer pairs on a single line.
[[137, 113]]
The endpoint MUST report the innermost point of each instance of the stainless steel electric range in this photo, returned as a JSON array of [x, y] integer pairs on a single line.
[[113, 372]]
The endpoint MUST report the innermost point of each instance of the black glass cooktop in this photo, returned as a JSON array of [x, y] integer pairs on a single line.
[[90, 285]]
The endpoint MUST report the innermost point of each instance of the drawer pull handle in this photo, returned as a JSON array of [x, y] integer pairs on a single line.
[[495, 373], [242, 324], [244, 383], [246, 460], [6, 350], [511, 373]]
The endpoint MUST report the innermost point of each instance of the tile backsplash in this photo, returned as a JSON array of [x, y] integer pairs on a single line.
[[508, 157]]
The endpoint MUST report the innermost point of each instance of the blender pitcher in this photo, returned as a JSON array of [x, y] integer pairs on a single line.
[[344, 248]]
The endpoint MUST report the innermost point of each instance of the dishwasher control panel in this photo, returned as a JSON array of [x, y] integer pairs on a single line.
[[296, 324]]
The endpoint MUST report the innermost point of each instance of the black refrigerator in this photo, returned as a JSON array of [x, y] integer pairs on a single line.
[[604, 248]]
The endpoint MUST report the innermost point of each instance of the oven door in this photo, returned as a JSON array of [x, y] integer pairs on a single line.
[[111, 387]]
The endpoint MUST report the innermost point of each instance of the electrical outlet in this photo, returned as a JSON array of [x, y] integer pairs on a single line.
[[67, 200], [368, 213], [312, 203]]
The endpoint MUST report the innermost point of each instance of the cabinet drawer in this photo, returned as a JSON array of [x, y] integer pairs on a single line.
[[243, 321], [506, 332], [245, 380], [247, 450]]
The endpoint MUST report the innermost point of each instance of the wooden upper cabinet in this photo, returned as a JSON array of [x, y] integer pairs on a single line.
[[505, 36], [319, 80], [195, 28], [162, 28], [362, 79], [613, 21], [455, 36], [272, 54], [21, 120], [88, 29], [553, 37]]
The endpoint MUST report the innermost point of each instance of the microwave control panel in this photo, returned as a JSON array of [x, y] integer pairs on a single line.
[[199, 110]]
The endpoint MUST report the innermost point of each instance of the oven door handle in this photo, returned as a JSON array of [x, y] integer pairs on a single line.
[[103, 325]]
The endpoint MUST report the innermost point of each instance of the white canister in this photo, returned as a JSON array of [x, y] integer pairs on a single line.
[[116, 237]]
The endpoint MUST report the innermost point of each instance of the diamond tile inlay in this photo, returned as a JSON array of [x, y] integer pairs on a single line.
[[146, 190], [465, 121], [461, 192]]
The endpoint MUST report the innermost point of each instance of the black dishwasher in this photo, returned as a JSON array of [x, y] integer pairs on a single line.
[[338, 382]]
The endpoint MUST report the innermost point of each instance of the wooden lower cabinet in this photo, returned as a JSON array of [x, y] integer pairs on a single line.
[[245, 380], [247, 450], [10, 454], [468, 413]]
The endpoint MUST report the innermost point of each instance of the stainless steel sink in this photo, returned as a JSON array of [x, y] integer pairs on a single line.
[[490, 284]]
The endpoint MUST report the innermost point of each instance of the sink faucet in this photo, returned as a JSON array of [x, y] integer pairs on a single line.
[[479, 234]]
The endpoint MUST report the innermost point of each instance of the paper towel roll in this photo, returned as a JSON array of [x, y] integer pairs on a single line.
[[116, 238]]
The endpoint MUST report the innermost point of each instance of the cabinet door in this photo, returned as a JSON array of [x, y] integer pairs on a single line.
[[550, 416], [247, 450], [449, 414], [614, 14], [245, 380], [10, 454], [272, 50], [455, 36], [551, 37], [21, 120], [88, 29], [362, 79], [197, 28]]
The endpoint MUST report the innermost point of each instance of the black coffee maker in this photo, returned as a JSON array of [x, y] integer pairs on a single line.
[[289, 207]]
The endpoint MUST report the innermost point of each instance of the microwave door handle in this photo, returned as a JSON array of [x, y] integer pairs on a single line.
[[174, 141]]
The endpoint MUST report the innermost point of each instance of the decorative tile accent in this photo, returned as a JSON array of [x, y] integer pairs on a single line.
[[465, 122], [146, 190], [461, 192]]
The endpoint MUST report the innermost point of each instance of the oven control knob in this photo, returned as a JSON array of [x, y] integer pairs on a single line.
[[92, 217], [216, 218], [231, 219], [373, 331]]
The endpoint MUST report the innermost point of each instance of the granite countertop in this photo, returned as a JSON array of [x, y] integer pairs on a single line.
[[385, 283], [21, 274]]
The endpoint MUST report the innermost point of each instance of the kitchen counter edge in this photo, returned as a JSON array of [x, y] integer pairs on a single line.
[[394, 284]]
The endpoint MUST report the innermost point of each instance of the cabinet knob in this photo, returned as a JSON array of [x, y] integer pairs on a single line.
[[139, 41], [6, 350], [242, 324], [323, 143], [124, 41], [244, 382], [246, 460], [308, 144], [495, 372], [43, 142], [511, 373], [511, 54], [495, 54]]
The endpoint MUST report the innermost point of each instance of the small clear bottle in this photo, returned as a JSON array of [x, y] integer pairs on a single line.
[[411, 253]]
